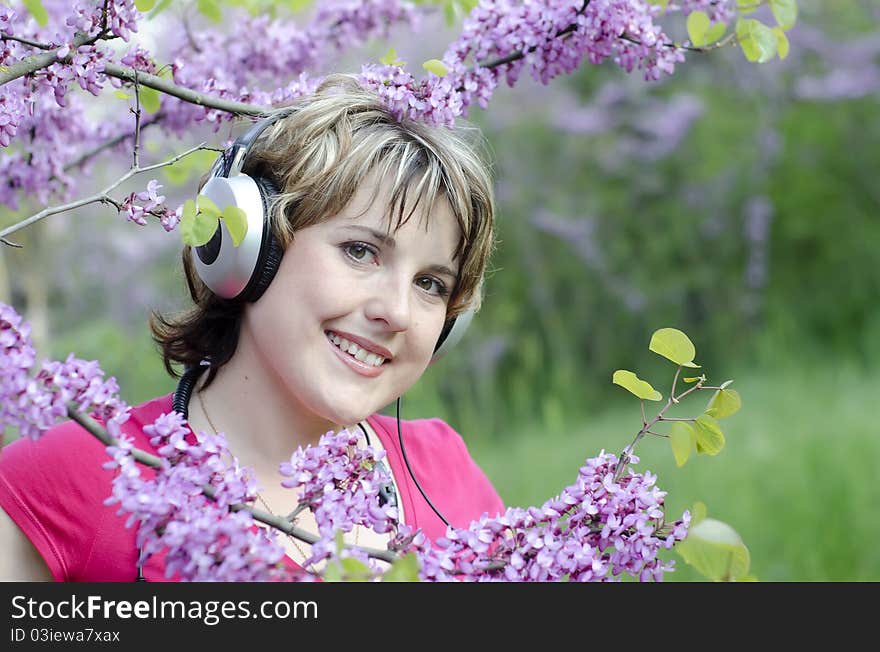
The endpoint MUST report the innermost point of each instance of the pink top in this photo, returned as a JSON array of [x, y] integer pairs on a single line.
[[54, 489]]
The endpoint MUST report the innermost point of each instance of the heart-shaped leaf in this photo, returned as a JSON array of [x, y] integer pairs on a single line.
[[629, 381], [715, 550], [236, 223], [674, 345], [683, 438]]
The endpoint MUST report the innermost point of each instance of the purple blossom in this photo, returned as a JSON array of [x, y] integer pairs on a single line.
[[594, 530], [35, 404], [148, 202], [203, 539]]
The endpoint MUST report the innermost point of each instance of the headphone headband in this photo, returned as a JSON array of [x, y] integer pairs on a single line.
[[230, 162]]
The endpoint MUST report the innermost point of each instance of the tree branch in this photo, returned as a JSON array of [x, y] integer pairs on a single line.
[[185, 94], [43, 60], [102, 196], [37, 62]]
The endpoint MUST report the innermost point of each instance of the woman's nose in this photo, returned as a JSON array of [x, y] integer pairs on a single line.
[[391, 303]]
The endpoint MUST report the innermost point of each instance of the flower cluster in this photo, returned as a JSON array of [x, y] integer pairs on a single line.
[[17, 357], [148, 202], [205, 541], [35, 404], [340, 482], [248, 72], [548, 38], [594, 530]]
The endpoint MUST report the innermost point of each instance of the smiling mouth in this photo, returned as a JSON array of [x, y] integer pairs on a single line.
[[355, 351]]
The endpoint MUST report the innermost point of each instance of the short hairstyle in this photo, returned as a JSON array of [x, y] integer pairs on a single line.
[[317, 157]]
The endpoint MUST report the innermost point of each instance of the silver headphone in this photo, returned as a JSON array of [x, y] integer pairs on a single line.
[[243, 273]]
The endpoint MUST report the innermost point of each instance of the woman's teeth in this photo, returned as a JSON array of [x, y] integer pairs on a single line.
[[355, 351]]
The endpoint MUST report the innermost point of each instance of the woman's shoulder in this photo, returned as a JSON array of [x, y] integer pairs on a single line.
[[431, 435]]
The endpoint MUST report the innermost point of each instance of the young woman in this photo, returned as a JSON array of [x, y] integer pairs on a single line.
[[377, 240]]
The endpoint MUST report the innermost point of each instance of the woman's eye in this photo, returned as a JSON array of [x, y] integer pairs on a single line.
[[432, 286], [358, 251]]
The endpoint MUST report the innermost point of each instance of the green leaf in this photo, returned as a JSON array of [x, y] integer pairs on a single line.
[[122, 95], [748, 6], [189, 209], [435, 66], [211, 10], [144, 6], [207, 207], [404, 569], [354, 570], [698, 513], [715, 550], [148, 98], [697, 26], [758, 42], [236, 223], [332, 572], [629, 381], [715, 32], [449, 12], [692, 379], [196, 229], [674, 345], [683, 438], [38, 11], [782, 45], [298, 5], [710, 439], [785, 13], [723, 403], [182, 170], [390, 58], [163, 5], [663, 4]]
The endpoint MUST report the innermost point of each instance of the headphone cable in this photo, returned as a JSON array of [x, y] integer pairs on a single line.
[[409, 468]]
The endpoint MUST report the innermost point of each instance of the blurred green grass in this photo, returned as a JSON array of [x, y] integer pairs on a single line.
[[797, 477]]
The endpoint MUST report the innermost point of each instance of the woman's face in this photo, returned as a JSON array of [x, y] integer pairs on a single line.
[[347, 283]]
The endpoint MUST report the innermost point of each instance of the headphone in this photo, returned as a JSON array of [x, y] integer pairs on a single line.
[[244, 272]]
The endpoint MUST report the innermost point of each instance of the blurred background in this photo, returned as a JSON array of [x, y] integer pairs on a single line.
[[737, 202]]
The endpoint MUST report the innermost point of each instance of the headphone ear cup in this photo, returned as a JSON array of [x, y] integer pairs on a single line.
[[243, 272], [271, 250], [452, 332]]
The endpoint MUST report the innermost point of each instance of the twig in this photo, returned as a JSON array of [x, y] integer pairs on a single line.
[[26, 41], [116, 140], [137, 120], [625, 455], [152, 461], [102, 196]]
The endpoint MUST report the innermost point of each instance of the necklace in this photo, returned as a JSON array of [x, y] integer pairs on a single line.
[[293, 540]]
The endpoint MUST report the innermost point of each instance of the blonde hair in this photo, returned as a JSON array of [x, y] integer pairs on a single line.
[[317, 157]]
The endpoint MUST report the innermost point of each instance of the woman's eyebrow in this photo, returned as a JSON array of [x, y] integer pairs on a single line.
[[384, 238], [387, 240]]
